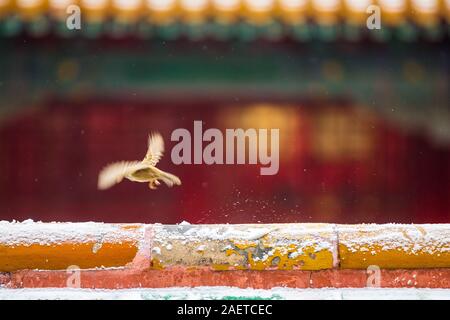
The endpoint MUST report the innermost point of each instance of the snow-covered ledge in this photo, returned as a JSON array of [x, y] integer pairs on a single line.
[[264, 255]]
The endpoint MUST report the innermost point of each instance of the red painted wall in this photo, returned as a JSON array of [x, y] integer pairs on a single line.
[[368, 171]]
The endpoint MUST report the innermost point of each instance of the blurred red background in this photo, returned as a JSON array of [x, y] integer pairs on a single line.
[[338, 163]]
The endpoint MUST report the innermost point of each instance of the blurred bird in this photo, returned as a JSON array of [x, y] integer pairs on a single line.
[[139, 171]]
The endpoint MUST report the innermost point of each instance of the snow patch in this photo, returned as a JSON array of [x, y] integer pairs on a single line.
[[29, 232], [428, 238]]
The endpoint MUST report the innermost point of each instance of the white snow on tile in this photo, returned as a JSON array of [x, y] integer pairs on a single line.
[[29, 232], [429, 238]]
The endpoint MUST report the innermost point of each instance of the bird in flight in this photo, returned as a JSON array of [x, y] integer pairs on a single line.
[[139, 171]]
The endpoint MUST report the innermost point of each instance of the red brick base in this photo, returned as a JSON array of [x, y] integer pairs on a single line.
[[178, 277]]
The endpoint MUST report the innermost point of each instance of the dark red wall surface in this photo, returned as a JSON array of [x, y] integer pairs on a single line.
[[373, 171]]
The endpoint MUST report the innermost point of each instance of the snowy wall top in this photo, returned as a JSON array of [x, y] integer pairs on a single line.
[[56, 246]]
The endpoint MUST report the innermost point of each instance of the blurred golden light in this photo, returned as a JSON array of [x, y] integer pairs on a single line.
[[162, 12], [342, 135], [293, 4], [30, 9], [356, 10], [226, 11], [326, 5], [259, 11], [226, 5], [194, 5], [293, 11], [194, 11], [260, 5], [94, 4], [5, 5], [58, 7], [358, 5], [393, 11], [127, 10], [326, 11], [29, 3], [94, 10], [425, 6], [60, 4], [127, 4], [447, 5], [393, 6], [266, 116], [425, 12], [161, 5]]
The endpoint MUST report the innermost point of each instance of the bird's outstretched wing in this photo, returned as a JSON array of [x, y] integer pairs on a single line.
[[155, 149], [169, 179], [115, 172]]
